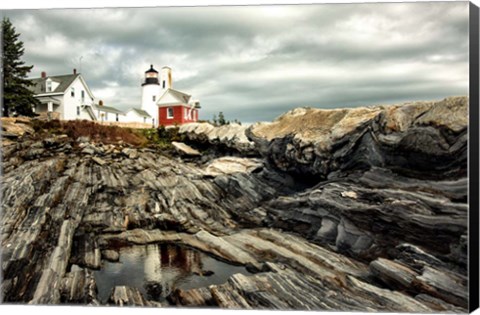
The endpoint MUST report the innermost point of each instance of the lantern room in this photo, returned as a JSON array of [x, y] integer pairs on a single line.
[[151, 76]]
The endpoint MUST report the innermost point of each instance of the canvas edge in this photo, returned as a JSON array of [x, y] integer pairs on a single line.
[[474, 160]]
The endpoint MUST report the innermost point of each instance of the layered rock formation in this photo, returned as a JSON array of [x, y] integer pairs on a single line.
[[420, 139], [230, 138], [353, 209]]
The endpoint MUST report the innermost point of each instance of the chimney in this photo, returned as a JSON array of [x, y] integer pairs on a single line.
[[44, 74], [74, 71], [100, 103]]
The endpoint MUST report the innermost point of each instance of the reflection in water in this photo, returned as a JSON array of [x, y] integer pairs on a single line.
[[157, 270]]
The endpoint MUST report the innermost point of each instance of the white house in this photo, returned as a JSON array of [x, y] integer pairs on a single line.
[[111, 114], [136, 115], [107, 113], [66, 96]]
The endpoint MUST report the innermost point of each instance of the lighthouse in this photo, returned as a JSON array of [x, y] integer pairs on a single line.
[[150, 92], [165, 105], [166, 78]]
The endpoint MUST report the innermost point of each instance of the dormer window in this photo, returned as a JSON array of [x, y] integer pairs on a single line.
[[153, 98], [49, 85], [72, 92]]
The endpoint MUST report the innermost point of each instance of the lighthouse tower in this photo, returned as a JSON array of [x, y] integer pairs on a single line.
[[166, 79], [151, 93]]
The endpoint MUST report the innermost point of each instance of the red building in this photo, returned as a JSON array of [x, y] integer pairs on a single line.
[[176, 108]]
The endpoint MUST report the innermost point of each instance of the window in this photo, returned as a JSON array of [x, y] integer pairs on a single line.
[[72, 92], [144, 119], [82, 93], [49, 85], [116, 117], [170, 112], [163, 84], [106, 116], [78, 110], [153, 98], [185, 113]]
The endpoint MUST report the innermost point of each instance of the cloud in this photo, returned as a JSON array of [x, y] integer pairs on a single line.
[[256, 62]]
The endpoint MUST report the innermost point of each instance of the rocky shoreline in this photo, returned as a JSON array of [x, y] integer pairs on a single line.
[[350, 210]]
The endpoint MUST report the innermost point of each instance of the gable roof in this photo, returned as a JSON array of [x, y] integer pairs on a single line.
[[64, 81], [183, 98], [107, 109], [139, 111]]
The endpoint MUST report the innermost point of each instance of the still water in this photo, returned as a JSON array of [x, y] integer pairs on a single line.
[[157, 270]]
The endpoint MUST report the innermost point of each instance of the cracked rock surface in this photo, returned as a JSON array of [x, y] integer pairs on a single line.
[[352, 210]]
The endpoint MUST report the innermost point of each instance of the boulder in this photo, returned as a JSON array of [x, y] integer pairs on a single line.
[[130, 153], [88, 150], [16, 127], [230, 165], [99, 161], [231, 136], [184, 149]]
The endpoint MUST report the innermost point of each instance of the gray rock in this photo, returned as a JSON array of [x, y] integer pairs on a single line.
[[99, 161], [392, 272], [329, 215], [230, 165], [230, 136], [79, 287], [126, 296], [34, 154], [404, 137], [110, 255], [130, 153], [88, 150], [83, 139], [184, 149]]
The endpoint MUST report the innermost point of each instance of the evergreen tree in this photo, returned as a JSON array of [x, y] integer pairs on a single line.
[[16, 95], [221, 119]]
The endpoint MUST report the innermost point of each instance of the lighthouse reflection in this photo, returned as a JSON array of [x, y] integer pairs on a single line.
[[167, 267], [157, 270]]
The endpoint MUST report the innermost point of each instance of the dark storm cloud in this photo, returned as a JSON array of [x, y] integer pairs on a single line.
[[254, 63]]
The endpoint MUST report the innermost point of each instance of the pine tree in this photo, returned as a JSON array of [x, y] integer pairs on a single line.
[[16, 95], [221, 119]]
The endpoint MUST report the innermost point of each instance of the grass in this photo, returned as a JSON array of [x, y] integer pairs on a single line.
[[160, 138], [96, 132]]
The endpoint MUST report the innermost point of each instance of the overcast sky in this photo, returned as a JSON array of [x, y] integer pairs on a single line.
[[254, 63]]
